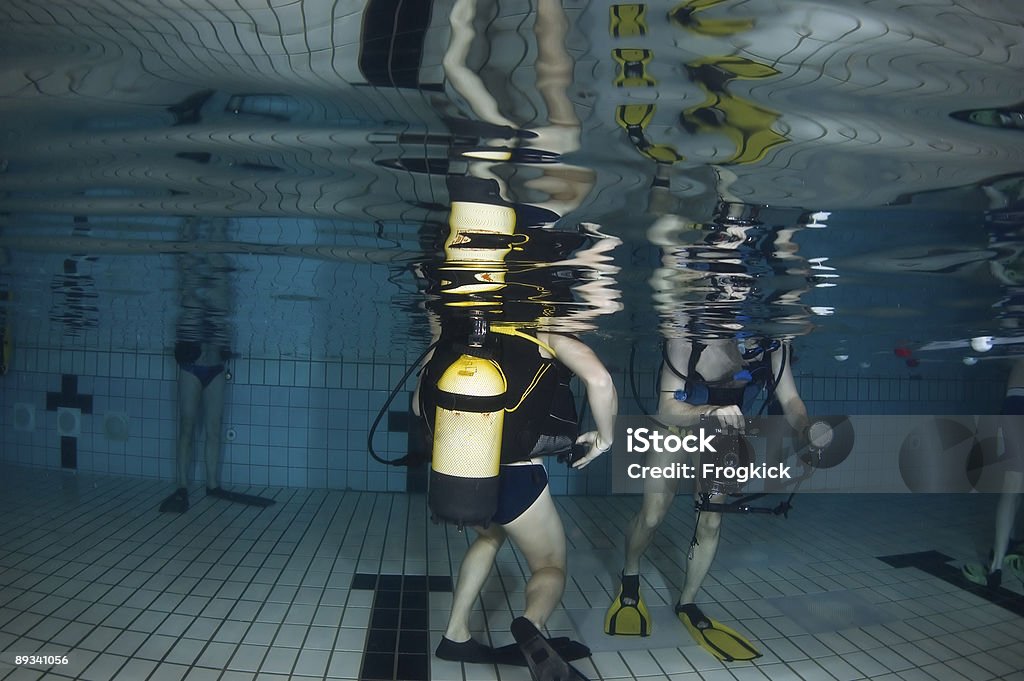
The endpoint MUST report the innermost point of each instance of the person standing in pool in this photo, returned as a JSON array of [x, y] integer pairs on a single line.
[[201, 352], [536, 366], [714, 371], [1005, 552], [702, 381]]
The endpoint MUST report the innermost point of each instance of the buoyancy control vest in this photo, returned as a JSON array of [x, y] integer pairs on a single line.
[[756, 377]]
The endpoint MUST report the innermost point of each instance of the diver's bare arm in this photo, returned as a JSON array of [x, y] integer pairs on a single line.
[[786, 393], [601, 394]]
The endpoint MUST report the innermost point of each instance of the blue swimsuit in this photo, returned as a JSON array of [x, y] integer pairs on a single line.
[[205, 374]]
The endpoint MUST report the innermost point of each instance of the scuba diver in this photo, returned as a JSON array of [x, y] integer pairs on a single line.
[[713, 371], [701, 379], [1005, 225], [534, 416]]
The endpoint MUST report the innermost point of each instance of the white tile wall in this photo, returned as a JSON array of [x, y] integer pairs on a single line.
[[304, 423]]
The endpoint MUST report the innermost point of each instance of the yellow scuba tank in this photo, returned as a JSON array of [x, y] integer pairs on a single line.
[[468, 422]]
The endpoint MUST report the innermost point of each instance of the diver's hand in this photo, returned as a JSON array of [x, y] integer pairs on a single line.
[[728, 415], [596, 448]]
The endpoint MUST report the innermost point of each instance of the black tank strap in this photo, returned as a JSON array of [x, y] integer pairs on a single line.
[[696, 349], [775, 378]]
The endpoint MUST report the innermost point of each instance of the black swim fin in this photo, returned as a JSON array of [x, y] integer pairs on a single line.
[[544, 663], [471, 651], [239, 498], [565, 647], [177, 502], [721, 641]]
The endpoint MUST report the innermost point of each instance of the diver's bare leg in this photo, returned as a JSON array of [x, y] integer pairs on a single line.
[[476, 567], [540, 537], [190, 392], [1006, 514], [213, 399], [698, 564], [653, 510], [659, 493]]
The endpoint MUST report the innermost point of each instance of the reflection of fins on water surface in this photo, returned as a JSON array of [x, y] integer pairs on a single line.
[[746, 124], [721, 641], [686, 15], [628, 21], [627, 615], [633, 118], [632, 67]]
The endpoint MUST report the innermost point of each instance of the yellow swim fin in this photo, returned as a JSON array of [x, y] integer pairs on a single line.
[[628, 21], [721, 641], [627, 619]]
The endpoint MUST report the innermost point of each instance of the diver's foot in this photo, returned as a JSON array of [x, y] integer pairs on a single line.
[[177, 502], [238, 497], [630, 590], [628, 615], [471, 651]]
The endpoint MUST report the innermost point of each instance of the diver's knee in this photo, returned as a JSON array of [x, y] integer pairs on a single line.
[[653, 513], [550, 569], [710, 524], [491, 538], [651, 520]]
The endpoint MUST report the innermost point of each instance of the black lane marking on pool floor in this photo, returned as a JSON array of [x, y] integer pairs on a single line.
[[937, 564], [398, 637]]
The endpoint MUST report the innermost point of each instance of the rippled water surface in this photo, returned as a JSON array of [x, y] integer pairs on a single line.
[[319, 179]]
